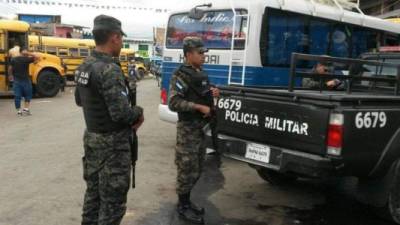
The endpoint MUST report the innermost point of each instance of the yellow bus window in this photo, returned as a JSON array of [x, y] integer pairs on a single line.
[[84, 52], [51, 50], [122, 57], [73, 52], [62, 52], [2, 40]]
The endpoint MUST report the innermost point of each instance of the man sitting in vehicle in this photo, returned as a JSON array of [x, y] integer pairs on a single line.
[[314, 83]]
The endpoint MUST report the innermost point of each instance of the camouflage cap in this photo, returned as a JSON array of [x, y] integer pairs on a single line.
[[193, 43], [104, 22]]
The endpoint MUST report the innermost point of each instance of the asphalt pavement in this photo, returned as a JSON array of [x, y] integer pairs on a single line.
[[41, 176]]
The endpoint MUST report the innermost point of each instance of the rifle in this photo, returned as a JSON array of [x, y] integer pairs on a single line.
[[131, 84]]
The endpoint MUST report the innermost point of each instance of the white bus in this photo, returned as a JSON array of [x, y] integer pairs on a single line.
[[266, 33]]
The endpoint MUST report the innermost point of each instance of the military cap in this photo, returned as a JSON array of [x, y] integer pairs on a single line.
[[193, 43], [104, 22]]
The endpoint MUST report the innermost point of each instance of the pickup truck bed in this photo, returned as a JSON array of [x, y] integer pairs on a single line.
[[292, 130]]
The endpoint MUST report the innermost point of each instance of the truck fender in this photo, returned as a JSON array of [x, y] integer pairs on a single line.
[[375, 191], [390, 154]]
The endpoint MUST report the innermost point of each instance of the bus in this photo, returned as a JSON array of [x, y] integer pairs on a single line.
[[73, 51], [47, 74], [127, 58], [251, 42]]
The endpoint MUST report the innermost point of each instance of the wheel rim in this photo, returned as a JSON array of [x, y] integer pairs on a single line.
[[394, 205], [49, 82]]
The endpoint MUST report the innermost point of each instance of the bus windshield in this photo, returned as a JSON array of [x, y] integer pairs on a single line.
[[215, 29]]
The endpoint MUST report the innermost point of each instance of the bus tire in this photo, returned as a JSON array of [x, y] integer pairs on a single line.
[[141, 73], [274, 177], [48, 83]]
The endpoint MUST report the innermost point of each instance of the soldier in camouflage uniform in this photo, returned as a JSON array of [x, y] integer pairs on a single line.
[[111, 121], [189, 97]]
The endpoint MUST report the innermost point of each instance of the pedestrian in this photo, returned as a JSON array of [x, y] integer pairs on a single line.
[[112, 119], [22, 84], [190, 94], [15, 50]]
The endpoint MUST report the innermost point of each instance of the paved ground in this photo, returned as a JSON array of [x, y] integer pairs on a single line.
[[41, 176]]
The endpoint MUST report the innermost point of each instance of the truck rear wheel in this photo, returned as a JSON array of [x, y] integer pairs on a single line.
[[274, 177], [392, 210], [48, 83]]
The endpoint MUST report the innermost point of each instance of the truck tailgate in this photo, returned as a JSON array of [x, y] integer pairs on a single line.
[[281, 122]]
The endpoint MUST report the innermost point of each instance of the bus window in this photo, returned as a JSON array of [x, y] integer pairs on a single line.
[[360, 43], [73, 52], [122, 58], [62, 52], [286, 34], [131, 57], [51, 50], [215, 29], [2, 40], [319, 37], [340, 41], [373, 40], [84, 52]]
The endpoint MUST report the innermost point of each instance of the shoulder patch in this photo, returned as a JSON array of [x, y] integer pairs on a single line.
[[82, 77]]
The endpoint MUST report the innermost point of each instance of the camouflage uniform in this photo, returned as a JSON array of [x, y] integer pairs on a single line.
[[190, 145], [107, 159]]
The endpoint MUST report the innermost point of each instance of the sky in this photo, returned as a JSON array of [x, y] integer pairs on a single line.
[[138, 17]]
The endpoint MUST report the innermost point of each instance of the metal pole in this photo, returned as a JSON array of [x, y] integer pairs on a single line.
[[292, 72], [232, 41]]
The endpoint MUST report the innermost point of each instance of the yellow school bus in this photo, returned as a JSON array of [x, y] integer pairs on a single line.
[[127, 57], [73, 51], [394, 20], [46, 74]]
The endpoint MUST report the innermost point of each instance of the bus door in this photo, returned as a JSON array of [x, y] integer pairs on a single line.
[[4, 84]]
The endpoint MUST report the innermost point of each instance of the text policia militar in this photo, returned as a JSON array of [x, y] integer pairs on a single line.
[[234, 113]]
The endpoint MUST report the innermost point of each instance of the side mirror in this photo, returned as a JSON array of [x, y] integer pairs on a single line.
[[196, 14]]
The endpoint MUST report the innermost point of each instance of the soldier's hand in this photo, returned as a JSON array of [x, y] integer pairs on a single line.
[[331, 83], [215, 92], [139, 123], [203, 109]]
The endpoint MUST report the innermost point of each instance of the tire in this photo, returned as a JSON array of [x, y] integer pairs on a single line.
[[48, 84], [392, 209], [274, 177], [141, 73]]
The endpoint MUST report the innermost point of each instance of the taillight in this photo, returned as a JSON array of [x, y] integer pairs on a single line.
[[164, 96], [335, 135]]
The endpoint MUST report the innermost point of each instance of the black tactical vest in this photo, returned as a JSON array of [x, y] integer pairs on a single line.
[[95, 111], [198, 91]]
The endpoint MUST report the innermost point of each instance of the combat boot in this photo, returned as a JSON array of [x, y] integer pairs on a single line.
[[197, 209], [186, 213]]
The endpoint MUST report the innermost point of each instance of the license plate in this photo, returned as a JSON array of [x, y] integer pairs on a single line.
[[258, 152]]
